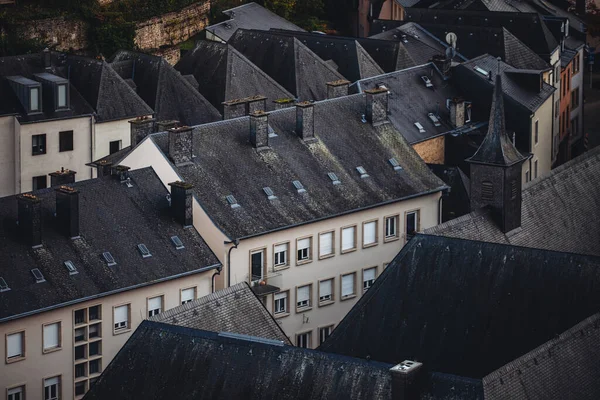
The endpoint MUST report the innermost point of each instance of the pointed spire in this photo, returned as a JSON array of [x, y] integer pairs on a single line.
[[497, 148]]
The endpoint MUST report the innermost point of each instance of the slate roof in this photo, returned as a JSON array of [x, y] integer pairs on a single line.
[[227, 164], [170, 95], [223, 73], [235, 309], [566, 56], [457, 202], [288, 61], [250, 16], [466, 307], [208, 365], [559, 212], [113, 218]]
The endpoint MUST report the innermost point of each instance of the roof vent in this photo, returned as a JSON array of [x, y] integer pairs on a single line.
[[3, 285], [144, 250], [37, 274], [232, 201], [404, 39], [269, 193], [333, 178], [272, 132], [394, 163], [434, 119], [427, 81], [362, 172], [299, 186], [177, 242], [71, 267], [407, 365], [110, 261], [481, 71], [420, 127]]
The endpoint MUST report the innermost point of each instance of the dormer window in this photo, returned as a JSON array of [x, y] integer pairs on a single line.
[[34, 99], [62, 96]]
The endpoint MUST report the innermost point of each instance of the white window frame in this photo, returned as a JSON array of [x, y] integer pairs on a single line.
[[281, 257], [331, 299], [304, 254], [152, 312], [187, 300], [12, 391], [58, 87], [23, 352], [417, 222], [284, 298], [389, 234], [307, 335], [375, 241], [304, 304], [263, 270], [368, 283], [332, 253], [58, 387], [347, 249], [58, 337], [123, 326], [351, 295]]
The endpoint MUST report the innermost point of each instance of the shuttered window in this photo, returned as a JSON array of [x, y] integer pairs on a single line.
[[52, 336], [369, 278], [281, 302], [188, 295], [121, 317], [52, 388], [347, 285], [370, 233], [303, 249], [325, 244], [303, 296], [326, 290], [348, 238], [15, 345], [154, 306], [281, 254]]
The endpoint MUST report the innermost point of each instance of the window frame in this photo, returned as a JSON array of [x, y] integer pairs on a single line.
[[376, 242], [45, 146], [60, 339], [58, 389], [60, 141], [38, 97], [127, 328], [354, 293], [418, 221], [319, 328], [310, 250], [264, 262], [286, 312], [23, 355], [66, 105], [162, 304], [354, 248], [285, 265], [194, 297], [535, 169], [115, 141], [309, 341], [396, 236], [22, 386], [332, 254], [330, 301], [374, 279], [34, 186], [309, 306], [536, 130]]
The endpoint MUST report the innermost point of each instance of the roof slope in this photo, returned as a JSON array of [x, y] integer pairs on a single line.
[[235, 309], [467, 307], [559, 212], [223, 74], [567, 366], [457, 202], [170, 95], [113, 218], [227, 164], [206, 365]]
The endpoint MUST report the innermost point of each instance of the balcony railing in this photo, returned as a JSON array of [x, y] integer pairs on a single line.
[[266, 284]]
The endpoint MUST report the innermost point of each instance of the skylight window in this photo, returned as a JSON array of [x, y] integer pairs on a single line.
[[110, 261], [299, 186], [427, 81], [272, 132], [434, 119], [334, 178], [362, 172], [177, 242], [269, 192], [37, 274], [232, 201], [70, 267], [3, 285], [420, 127], [481, 71], [394, 163], [144, 250]]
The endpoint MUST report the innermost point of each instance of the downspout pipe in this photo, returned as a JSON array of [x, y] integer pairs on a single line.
[[235, 243], [213, 278]]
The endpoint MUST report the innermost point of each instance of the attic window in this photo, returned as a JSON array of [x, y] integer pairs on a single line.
[[3, 285], [144, 250], [420, 127], [110, 261], [70, 267], [434, 119], [481, 71], [299, 186], [177, 242], [269, 192], [232, 201], [37, 274], [363, 172], [34, 99], [427, 81], [333, 178], [394, 163], [62, 96]]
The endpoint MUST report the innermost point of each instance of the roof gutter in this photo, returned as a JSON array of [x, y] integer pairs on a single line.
[[105, 294], [57, 119]]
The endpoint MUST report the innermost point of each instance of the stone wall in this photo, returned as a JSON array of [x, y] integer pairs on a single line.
[[432, 150], [61, 33], [172, 28]]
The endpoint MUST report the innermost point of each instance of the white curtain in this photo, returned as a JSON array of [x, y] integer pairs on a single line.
[[347, 285], [369, 234], [326, 244], [348, 238], [51, 333], [120, 314]]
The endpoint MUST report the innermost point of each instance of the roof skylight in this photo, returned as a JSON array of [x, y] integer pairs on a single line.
[[434, 119], [269, 192], [144, 250], [299, 186], [420, 127], [394, 163], [70, 267], [362, 171], [110, 261], [481, 70], [37, 274], [3, 285], [177, 242], [334, 178], [232, 201]]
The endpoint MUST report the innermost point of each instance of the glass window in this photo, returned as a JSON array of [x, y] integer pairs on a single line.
[[155, 306], [304, 339], [80, 370], [80, 316], [326, 290], [80, 352], [303, 296], [280, 251], [94, 313], [348, 286], [34, 99], [95, 349], [324, 333], [52, 336], [80, 388], [303, 246], [188, 295], [535, 169], [326, 244], [65, 141], [15, 345], [348, 238], [39, 182], [281, 303], [114, 146], [391, 224], [369, 277], [62, 96], [412, 223], [94, 366], [121, 317], [537, 126], [17, 393], [52, 388], [80, 334], [38, 144], [370, 233], [257, 264]]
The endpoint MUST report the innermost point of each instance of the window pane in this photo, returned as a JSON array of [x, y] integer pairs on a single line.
[[348, 238], [121, 314], [347, 285], [62, 95], [187, 295], [51, 336], [155, 303], [257, 265], [369, 233], [411, 223], [326, 244], [303, 296], [34, 98], [14, 344]]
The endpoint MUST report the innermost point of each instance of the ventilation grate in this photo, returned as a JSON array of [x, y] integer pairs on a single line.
[[420, 127], [394, 163], [363, 172], [269, 192]]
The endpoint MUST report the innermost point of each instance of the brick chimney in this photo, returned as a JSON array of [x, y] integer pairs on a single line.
[[457, 112], [259, 130], [255, 103], [234, 108], [103, 168], [305, 121], [377, 105], [121, 172], [283, 103], [62, 177], [140, 128], [181, 203], [163, 126], [406, 380], [181, 145], [30, 219], [67, 211], [337, 88]]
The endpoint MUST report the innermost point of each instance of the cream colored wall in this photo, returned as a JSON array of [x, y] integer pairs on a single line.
[[7, 155], [577, 82], [107, 132], [542, 151], [36, 366]]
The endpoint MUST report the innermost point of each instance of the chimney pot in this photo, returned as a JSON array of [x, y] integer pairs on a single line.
[[181, 202], [337, 88], [67, 211], [103, 168], [181, 145], [163, 126], [30, 219], [234, 108], [406, 380], [140, 128], [255, 103], [457, 112], [62, 177], [47, 58], [121, 172], [283, 103], [259, 130], [305, 121], [443, 64], [377, 106]]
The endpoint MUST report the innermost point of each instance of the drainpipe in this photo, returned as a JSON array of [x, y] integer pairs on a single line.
[[235, 243], [440, 209], [213, 278]]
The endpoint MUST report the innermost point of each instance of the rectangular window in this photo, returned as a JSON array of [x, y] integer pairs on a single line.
[[556, 108], [188, 295], [324, 333], [369, 277], [65, 141], [62, 96], [17, 393], [52, 336], [575, 98], [326, 244], [369, 233], [391, 227], [537, 123], [121, 317], [535, 169], [412, 224], [52, 388], [348, 239], [326, 290], [80, 352], [303, 296], [94, 313], [348, 285], [114, 146], [257, 265], [155, 306], [80, 334], [304, 340], [94, 366], [39, 182], [80, 316], [38, 144], [95, 349], [303, 247], [281, 303], [34, 99], [80, 388], [80, 370], [280, 252], [15, 346], [527, 176]]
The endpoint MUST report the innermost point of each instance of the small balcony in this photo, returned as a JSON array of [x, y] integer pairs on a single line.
[[267, 284]]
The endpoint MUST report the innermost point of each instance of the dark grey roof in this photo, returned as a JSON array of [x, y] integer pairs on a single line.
[[227, 164], [566, 56], [113, 218], [160, 358], [465, 307], [164, 89], [559, 212], [287, 61], [457, 202], [235, 309], [250, 16], [223, 74]]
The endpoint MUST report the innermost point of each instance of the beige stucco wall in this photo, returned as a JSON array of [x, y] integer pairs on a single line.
[[37, 366], [577, 82], [542, 151], [432, 150], [107, 132], [7, 156]]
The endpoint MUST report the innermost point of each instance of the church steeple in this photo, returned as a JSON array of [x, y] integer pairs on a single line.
[[496, 169]]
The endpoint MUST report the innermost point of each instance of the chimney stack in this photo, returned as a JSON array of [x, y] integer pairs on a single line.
[[30, 219], [140, 128], [163, 126], [103, 168], [181, 202], [305, 121], [181, 145], [234, 108], [406, 380], [337, 88], [47, 58], [121, 172], [62, 177], [67, 211], [255, 103], [283, 103], [259, 130], [443, 64], [377, 105], [457, 112]]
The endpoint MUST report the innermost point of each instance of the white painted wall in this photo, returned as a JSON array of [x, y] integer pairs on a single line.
[[107, 132]]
